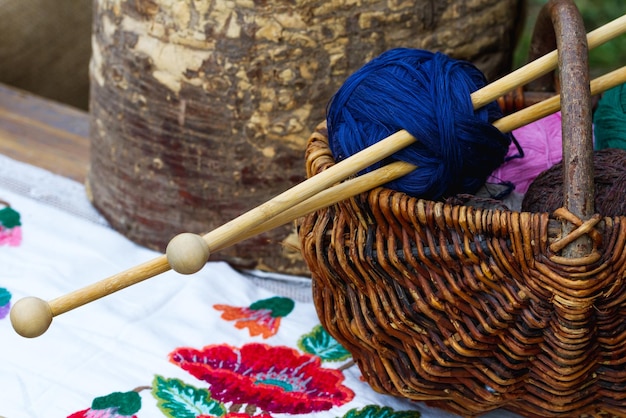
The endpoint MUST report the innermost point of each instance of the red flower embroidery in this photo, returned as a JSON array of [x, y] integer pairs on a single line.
[[261, 318], [79, 414], [274, 379]]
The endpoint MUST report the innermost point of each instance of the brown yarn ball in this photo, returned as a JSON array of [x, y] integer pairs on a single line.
[[545, 194]]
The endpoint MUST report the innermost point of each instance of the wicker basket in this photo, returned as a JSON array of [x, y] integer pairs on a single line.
[[475, 309]]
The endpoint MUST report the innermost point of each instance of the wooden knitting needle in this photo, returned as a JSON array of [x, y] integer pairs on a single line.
[[553, 104], [544, 64], [188, 253]]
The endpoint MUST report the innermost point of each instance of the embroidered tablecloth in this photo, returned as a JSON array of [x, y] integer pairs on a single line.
[[220, 343]]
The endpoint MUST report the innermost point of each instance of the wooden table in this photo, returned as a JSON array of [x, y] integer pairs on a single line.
[[44, 133]]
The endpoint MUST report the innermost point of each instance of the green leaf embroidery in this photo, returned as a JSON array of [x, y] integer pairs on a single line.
[[319, 342], [9, 218], [278, 306], [374, 411], [124, 403], [5, 296], [177, 399]]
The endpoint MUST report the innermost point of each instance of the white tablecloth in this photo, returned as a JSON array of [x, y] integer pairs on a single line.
[[208, 344]]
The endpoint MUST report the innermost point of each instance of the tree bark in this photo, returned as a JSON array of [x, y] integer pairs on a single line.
[[201, 110]]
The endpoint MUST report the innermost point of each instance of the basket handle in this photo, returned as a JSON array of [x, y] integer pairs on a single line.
[[560, 24]]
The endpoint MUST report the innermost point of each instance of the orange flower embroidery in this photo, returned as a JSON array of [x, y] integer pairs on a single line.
[[261, 318]]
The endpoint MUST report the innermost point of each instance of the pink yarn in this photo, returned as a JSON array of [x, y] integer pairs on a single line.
[[542, 145]]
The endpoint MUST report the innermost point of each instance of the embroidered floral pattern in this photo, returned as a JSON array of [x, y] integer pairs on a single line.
[[275, 379], [374, 411], [10, 226], [320, 343], [177, 399], [5, 302], [252, 381], [237, 415], [261, 318], [100, 413], [115, 405]]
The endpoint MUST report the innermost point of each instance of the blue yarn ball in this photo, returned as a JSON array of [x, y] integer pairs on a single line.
[[427, 94]]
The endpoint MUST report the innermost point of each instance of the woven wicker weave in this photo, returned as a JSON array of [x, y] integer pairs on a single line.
[[472, 309]]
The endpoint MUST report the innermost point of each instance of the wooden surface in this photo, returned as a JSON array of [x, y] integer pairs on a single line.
[[44, 133]]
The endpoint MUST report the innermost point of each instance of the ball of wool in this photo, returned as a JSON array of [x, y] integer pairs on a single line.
[[545, 194], [609, 119], [542, 148], [429, 95]]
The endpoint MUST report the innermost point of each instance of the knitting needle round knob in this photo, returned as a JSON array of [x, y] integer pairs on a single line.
[[31, 316], [187, 253]]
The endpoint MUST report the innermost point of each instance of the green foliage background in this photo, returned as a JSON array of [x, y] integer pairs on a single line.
[[596, 13]]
